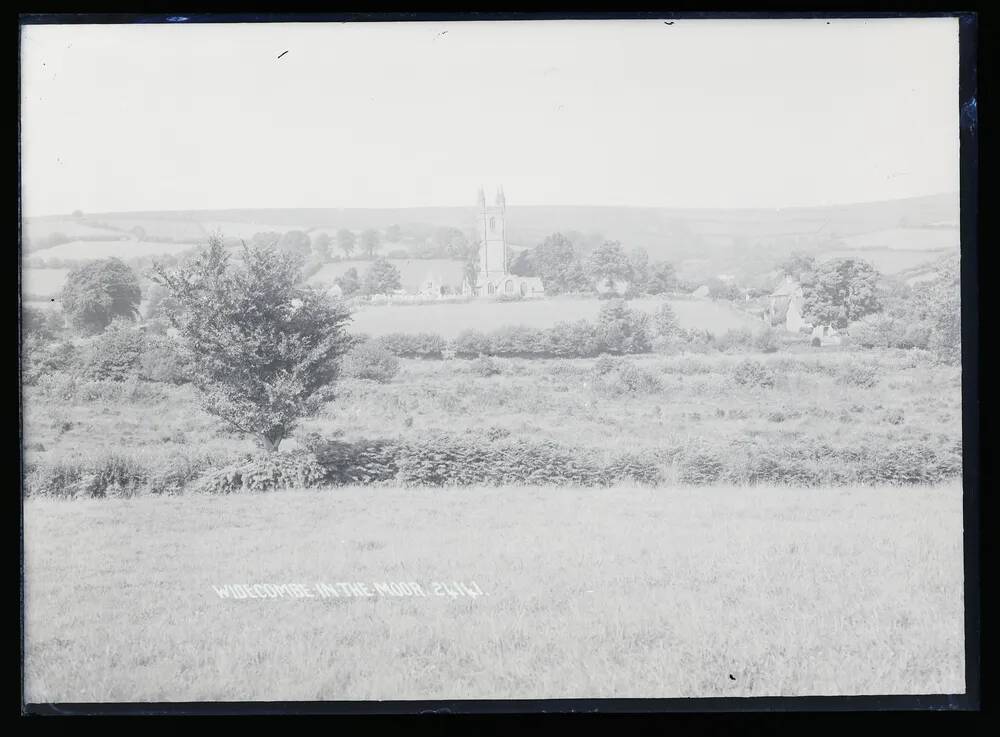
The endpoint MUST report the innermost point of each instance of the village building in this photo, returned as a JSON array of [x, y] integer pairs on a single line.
[[784, 306], [493, 278]]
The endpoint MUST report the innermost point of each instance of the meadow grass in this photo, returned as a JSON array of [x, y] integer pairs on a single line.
[[622, 592]]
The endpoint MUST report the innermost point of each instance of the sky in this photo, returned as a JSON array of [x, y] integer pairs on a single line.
[[701, 113]]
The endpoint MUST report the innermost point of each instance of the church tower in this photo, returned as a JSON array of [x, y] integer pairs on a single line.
[[493, 278], [492, 238]]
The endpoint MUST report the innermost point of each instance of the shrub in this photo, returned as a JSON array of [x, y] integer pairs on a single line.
[[665, 321], [413, 345], [700, 467], [858, 374], [371, 361], [623, 330], [735, 339], [624, 377], [280, 470], [116, 474], [485, 366], [471, 343], [115, 354], [766, 341], [753, 373], [41, 358], [161, 361]]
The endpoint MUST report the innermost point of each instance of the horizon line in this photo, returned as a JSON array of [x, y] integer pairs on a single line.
[[515, 205]]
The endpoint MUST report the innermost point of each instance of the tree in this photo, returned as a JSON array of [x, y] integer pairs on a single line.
[[264, 351], [349, 282], [98, 292], [799, 264], [295, 241], [938, 302], [722, 289], [346, 240], [558, 264], [624, 330], [321, 246], [841, 291], [450, 243], [662, 278], [393, 234], [638, 261], [609, 264], [665, 322], [268, 239], [381, 278], [370, 242]]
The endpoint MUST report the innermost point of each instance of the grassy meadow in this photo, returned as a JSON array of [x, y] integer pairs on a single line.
[[625, 592], [696, 402]]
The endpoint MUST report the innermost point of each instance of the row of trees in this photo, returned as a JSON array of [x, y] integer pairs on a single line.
[[565, 268]]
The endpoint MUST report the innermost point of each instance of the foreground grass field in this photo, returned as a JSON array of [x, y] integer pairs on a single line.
[[587, 593]]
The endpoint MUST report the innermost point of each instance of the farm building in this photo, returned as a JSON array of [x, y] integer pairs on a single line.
[[493, 277], [784, 306]]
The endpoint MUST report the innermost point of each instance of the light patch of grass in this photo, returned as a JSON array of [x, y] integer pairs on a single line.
[[624, 592]]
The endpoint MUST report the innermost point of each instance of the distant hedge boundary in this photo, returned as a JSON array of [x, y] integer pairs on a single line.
[[492, 458]]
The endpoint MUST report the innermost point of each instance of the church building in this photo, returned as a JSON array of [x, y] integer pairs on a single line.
[[493, 279]]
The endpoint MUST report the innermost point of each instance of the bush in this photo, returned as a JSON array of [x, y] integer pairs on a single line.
[[623, 330], [161, 361], [413, 345], [372, 361], [753, 373], [766, 341], [281, 470], [490, 459], [115, 354], [115, 474], [735, 340], [857, 374], [615, 378], [665, 321], [700, 467], [41, 358], [485, 366]]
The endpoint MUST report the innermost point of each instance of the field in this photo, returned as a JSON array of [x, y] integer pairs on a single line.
[[43, 282], [85, 250], [908, 239], [612, 593], [449, 320], [38, 229], [889, 260]]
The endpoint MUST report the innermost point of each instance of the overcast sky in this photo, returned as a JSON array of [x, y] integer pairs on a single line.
[[752, 113]]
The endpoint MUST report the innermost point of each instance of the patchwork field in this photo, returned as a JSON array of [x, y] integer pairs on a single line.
[[85, 250], [586, 593], [889, 260]]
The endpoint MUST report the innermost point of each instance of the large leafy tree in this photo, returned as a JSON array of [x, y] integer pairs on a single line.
[[558, 264], [381, 278], [346, 241], [264, 350], [662, 278], [295, 241], [321, 246], [841, 291], [938, 302], [371, 241], [608, 264], [99, 292]]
